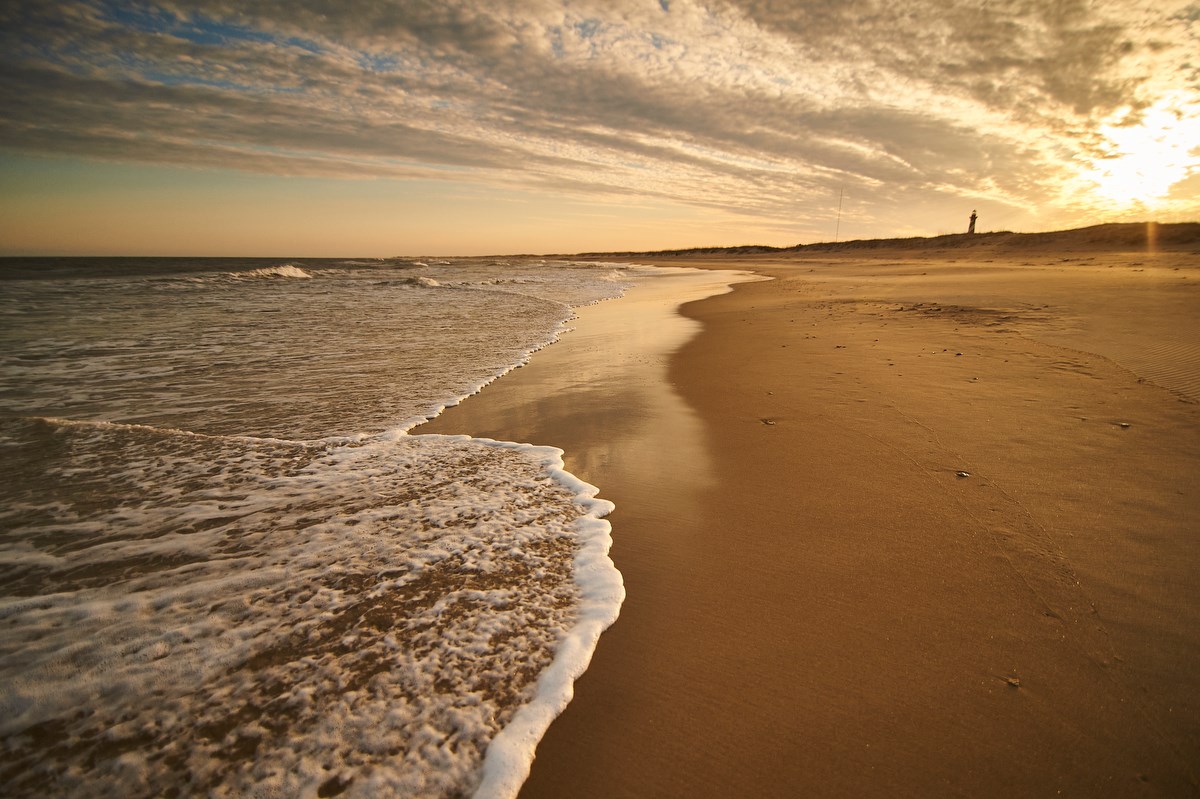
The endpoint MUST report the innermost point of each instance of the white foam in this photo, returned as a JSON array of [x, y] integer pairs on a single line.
[[393, 599], [602, 591], [422, 281], [281, 271]]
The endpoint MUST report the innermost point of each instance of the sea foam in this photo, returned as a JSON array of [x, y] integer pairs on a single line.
[[225, 633], [281, 271]]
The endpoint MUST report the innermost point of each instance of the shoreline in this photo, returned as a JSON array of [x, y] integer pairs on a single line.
[[932, 560], [600, 393]]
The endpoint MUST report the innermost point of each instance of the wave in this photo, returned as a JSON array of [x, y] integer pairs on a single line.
[[412, 610], [280, 271], [420, 280]]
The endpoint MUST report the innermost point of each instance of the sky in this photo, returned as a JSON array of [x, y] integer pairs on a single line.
[[469, 127]]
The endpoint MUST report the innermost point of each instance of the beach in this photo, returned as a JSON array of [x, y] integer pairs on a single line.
[[695, 399], [892, 523]]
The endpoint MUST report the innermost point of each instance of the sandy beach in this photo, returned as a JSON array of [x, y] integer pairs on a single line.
[[893, 523]]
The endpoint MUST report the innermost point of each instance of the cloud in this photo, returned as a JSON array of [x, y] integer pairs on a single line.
[[760, 106]]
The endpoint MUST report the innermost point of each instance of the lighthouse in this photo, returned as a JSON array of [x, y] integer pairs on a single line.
[[971, 227]]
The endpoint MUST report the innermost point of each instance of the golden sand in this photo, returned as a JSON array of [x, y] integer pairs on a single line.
[[938, 531]]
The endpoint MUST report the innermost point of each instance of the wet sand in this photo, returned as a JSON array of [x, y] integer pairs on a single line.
[[898, 525]]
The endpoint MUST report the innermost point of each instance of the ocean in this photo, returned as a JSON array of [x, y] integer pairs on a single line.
[[226, 566]]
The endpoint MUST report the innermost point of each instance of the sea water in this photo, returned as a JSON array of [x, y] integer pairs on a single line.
[[227, 569]]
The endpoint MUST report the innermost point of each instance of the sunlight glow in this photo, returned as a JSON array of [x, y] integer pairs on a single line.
[[1143, 160]]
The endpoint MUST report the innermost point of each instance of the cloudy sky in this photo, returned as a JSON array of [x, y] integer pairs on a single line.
[[385, 127]]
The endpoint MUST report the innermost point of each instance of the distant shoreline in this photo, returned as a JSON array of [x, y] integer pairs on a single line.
[[1109, 237], [1117, 236]]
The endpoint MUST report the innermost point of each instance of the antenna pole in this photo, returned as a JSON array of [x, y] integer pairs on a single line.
[[838, 229]]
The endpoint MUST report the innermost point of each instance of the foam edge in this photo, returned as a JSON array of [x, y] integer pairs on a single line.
[[510, 754]]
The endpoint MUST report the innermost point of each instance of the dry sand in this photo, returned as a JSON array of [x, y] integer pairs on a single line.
[[905, 524]]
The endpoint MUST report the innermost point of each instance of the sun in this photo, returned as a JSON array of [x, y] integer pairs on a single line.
[[1145, 154]]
